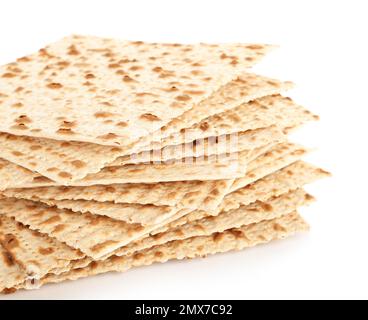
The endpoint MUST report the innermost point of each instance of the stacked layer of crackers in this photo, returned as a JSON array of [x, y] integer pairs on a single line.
[[118, 154]]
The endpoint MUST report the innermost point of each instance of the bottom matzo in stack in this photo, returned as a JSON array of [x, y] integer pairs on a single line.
[[219, 175]]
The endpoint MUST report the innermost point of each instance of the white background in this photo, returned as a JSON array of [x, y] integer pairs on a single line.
[[324, 50]]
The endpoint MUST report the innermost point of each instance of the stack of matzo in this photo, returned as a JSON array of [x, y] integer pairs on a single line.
[[116, 154]]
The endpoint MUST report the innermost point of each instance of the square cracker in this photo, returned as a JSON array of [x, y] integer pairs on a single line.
[[229, 240], [244, 215], [30, 255], [94, 235], [205, 195], [258, 113], [63, 161], [291, 177], [112, 92], [282, 181]]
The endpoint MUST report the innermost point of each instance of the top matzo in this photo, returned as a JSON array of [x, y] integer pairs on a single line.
[[113, 92]]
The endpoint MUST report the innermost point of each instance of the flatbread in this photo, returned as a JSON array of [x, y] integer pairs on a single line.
[[166, 172], [285, 113], [233, 239], [233, 166], [259, 113], [203, 195], [25, 211], [277, 158], [225, 168], [211, 168], [63, 161], [243, 215], [184, 194], [121, 89], [13, 175], [11, 274], [144, 214], [63, 167], [95, 236], [245, 88], [218, 145], [28, 254], [282, 181], [288, 178]]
